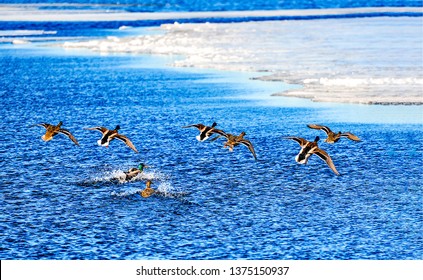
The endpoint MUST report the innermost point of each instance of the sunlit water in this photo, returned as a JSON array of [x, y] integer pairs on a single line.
[[61, 201]]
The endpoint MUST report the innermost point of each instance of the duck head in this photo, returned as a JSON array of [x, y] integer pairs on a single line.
[[148, 184], [141, 166], [214, 124], [117, 127], [316, 139], [60, 123]]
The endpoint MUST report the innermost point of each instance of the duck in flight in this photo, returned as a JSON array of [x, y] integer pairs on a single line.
[[53, 130], [205, 131], [109, 135], [235, 140], [308, 149], [333, 137]]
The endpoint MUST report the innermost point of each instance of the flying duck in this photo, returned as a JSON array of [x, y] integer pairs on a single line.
[[235, 140], [310, 148], [133, 172], [334, 137], [109, 135], [148, 191], [205, 131], [52, 130]]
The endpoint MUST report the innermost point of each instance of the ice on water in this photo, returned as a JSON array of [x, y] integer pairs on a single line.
[[358, 60]]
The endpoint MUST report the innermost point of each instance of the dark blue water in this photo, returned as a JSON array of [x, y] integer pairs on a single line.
[[212, 5], [58, 200]]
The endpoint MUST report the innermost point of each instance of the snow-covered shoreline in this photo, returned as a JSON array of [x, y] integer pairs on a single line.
[[377, 60]]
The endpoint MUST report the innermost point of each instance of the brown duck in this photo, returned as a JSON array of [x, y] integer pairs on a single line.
[[332, 136], [148, 191], [53, 130], [235, 140]]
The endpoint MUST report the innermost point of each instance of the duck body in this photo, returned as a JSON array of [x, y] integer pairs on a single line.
[[309, 148], [205, 131], [133, 172], [148, 191], [53, 130], [108, 135], [235, 140]]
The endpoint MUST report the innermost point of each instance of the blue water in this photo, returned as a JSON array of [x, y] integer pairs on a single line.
[[59, 202], [212, 5], [71, 29]]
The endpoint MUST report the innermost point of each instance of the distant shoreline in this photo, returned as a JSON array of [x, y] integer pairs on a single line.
[[32, 13]]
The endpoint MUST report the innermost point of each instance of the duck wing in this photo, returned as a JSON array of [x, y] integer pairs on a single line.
[[250, 147], [321, 127], [199, 126], [45, 125], [299, 140], [126, 140], [99, 128], [350, 136], [220, 132], [324, 156], [67, 133]]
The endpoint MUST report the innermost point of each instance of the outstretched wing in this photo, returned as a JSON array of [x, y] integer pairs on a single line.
[[299, 140], [324, 156], [250, 147], [126, 140], [321, 127], [220, 132], [45, 125], [67, 133], [99, 128], [350, 136], [199, 126]]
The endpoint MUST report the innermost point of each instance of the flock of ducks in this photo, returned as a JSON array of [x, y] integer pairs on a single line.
[[308, 148]]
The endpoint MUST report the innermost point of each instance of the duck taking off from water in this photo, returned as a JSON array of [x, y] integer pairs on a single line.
[[53, 130], [109, 135], [309, 148], [235, 140], [332, 136], [133, 172], [205, 131]]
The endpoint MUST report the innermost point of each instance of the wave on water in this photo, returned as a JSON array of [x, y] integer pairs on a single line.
[[118, 177], [11, 33], [163, 189], [26, 36]]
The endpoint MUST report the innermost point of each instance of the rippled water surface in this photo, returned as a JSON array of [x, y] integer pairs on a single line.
[[210, 5], [59, 201]]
